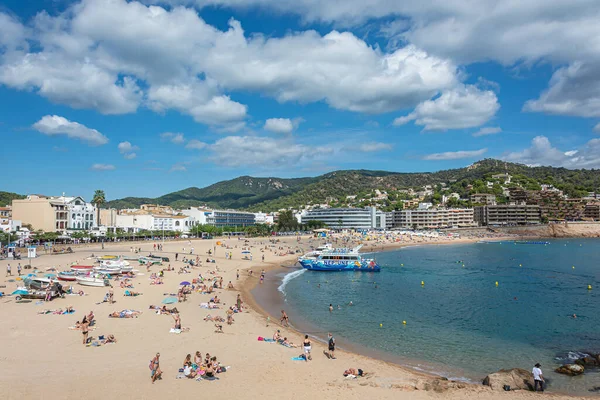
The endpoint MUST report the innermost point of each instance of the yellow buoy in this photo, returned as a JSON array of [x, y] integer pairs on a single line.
[[496, 283], [402, 265], [573, 267], [403, 322], [589, 287], [422, 283], [520, 265], [381, 325]]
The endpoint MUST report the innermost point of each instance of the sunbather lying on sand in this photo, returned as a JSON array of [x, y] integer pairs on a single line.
[[124, 314], [131, 293], [215, 319], [355, 372], [110, 339]]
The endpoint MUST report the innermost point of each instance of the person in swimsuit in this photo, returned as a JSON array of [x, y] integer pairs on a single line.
[[198, 358], [285, 320], [84, 329], [155, 368], [177, 319], [307, 348], [355, 372]]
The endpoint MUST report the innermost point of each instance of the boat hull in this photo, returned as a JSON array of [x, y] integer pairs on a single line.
[[316, 265], [92, 282], [66, 277]]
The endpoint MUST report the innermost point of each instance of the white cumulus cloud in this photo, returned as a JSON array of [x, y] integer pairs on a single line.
[[541, 152], [279, 125], [249, 151], [462, 107], [455, 155], [54, 125]]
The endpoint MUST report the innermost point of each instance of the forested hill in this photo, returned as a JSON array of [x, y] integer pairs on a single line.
[[271, 194]]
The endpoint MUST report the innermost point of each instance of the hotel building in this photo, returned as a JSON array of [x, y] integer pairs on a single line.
[[347, 218]]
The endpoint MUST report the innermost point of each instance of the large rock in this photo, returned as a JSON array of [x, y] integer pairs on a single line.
[[570, 369], [587, 361], [516, 378]]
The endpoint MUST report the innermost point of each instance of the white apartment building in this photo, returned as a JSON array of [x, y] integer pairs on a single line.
[[263, 218], [52, 214], [435, 218], [348, 218], [220, 218], [139, 221]]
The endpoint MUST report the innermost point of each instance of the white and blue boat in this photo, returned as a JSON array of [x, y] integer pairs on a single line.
[[340, 260]]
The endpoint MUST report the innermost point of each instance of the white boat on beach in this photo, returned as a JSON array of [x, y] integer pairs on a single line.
[[91, 281]]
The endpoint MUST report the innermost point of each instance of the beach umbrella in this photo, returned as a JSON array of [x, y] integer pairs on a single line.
[[185, 283], [170, 300], [20, 292]]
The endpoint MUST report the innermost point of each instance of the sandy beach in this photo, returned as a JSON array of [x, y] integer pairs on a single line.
[[42, 359]]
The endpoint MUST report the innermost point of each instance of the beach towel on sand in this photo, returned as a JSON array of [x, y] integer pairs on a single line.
[[173, 330], [262, 339], [298, 359]]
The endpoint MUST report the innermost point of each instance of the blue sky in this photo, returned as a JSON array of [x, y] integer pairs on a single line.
[[142, 98]]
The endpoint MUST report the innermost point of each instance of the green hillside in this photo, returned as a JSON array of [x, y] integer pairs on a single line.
[[271, 194], [6, 198], [240, 192]]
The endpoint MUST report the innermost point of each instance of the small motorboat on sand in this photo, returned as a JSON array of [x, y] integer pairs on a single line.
[[91, 281], [67, 276]]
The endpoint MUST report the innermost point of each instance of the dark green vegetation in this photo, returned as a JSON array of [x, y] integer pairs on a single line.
[[6, 198]]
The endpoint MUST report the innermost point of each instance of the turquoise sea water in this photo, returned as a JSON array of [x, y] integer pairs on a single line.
[[459, 323]]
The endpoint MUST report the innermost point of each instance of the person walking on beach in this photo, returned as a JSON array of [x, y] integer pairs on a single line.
[[176, 255], [237, 275], [331, 346], [285, 320], [538, 378], [19, 269], [307, 348], [8, 271], [155, 368]]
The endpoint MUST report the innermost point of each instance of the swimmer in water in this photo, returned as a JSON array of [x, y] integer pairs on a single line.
[[350, 304], [331, 308]]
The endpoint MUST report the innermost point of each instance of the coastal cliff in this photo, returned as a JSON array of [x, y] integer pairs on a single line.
[[562, 230]]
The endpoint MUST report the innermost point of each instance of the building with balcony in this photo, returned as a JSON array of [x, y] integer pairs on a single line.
[[434, 218], [508, 214], [52, 214], [348, 218], [221, 218], [483, 198]]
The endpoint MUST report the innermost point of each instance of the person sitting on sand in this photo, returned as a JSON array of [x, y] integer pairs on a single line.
[[187, 361], [110, 339], [198, 358], [277, 335], [131, 293], [354, 372], [189, 372], [285, 342], [230, 285]]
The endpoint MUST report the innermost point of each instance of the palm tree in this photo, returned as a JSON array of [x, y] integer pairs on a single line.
[[98, 199]]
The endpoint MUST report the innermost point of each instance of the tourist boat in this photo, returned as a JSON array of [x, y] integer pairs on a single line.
[[67, 276], [91, 281], [313, 255], [341, 260]]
